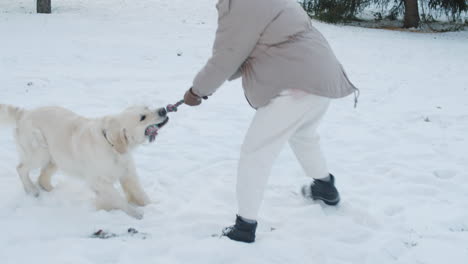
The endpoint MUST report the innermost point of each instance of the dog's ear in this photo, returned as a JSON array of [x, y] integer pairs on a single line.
[[117, 136]]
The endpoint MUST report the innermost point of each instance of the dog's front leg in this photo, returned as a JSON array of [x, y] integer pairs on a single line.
[[108, 198], [46, 175], [132, 188], [29, 187]]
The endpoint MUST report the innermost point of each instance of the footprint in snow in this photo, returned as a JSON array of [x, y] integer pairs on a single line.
[[444, 174]]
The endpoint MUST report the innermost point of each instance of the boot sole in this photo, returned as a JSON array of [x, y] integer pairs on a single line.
[[327, 202], [308, 195]]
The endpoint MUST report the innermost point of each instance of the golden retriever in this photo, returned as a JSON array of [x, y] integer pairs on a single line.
[[97, 150]]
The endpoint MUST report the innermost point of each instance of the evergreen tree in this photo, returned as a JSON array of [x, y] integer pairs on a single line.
[[344, 10]]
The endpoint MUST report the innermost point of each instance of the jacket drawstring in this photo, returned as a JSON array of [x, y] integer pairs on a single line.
[[357, 93]]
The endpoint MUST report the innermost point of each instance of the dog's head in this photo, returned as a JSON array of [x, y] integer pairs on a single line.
[[134, 126]]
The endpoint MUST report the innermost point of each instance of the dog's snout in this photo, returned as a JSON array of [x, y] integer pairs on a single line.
[[162, 112]]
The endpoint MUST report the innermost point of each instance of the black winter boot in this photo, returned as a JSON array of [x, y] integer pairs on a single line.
[[322, 190], [241, 231]]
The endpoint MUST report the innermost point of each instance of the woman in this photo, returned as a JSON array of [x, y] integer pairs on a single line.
[[289, 74]]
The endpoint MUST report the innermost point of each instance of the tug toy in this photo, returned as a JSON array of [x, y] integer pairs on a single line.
[[173, 107]]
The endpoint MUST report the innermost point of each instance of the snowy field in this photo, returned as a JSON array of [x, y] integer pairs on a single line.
[[400, 158]]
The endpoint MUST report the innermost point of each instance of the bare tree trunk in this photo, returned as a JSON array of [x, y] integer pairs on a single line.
[[411, 14], [44, 6]]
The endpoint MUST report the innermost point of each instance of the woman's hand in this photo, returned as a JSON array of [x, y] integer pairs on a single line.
[[192, 99]]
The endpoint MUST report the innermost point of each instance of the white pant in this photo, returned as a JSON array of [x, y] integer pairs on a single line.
[[293, 116]]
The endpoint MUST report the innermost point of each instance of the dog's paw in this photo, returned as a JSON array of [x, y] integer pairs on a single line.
[[135, 213], [45, 186], [141, 200], [32, 190]]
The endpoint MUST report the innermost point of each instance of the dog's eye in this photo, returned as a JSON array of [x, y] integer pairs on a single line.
[[143, 117]]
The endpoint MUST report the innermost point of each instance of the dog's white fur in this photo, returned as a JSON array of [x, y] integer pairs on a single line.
[[97, 150]]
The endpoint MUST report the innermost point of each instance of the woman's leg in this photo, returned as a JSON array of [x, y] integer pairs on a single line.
[[271, 128], [305, 142]]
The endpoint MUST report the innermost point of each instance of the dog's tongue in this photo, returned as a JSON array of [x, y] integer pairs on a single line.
[[151, 132]]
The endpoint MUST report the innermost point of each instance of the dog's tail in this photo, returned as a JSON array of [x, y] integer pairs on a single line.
[[9, 115]]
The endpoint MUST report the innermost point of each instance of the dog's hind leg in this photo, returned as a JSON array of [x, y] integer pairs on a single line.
[[32, 150], [108, 198], [133, 190], [46, 176], [29, 187]]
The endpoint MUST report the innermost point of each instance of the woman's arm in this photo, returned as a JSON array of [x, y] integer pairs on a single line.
[[240, 24]]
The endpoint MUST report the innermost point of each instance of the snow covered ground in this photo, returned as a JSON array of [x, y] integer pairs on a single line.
[[400, 158]]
